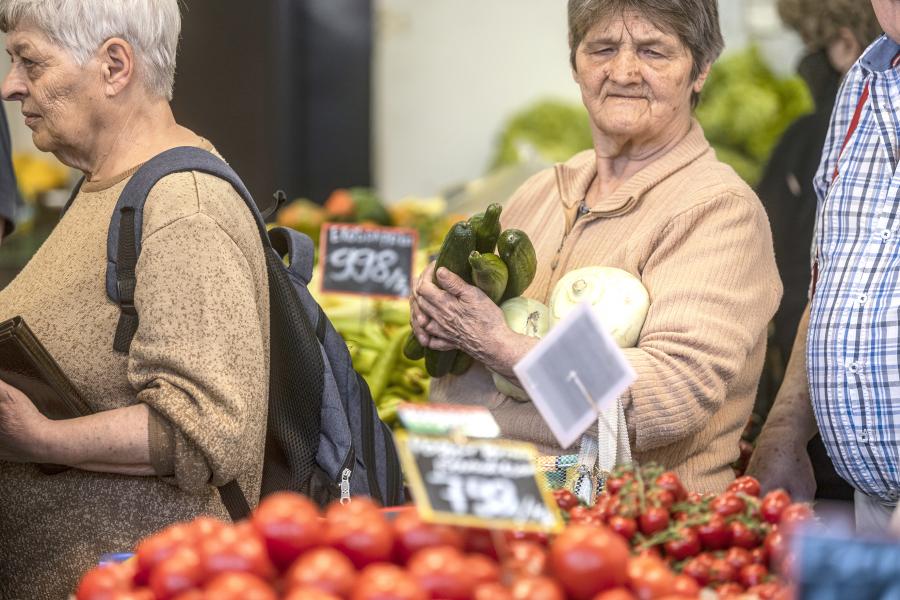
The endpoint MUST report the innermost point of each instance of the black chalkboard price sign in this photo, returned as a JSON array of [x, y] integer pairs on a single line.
[[478, 483], [365, 260]]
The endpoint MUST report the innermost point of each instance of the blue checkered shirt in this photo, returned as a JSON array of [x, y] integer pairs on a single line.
[[853, 350]]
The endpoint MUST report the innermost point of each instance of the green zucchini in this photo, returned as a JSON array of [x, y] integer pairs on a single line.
[[454, 256], [412, 349], [517, 252], [487, 228], [490, 274]]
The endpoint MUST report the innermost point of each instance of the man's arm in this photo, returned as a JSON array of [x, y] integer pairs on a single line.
[[780, 459]]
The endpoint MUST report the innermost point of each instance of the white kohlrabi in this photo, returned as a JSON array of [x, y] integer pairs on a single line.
[[528, 317]]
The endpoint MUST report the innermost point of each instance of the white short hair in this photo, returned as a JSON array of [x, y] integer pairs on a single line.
[[152, 27]]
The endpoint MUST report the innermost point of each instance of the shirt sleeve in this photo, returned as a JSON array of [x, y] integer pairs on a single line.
[[197, 358], [714, 287]]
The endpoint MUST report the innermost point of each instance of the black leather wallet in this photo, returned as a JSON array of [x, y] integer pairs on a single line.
[[25, 364]]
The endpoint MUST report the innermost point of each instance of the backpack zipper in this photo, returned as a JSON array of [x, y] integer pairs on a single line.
[[346, 471]]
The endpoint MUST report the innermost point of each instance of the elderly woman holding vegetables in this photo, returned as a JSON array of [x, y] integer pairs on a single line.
[[650, 199]]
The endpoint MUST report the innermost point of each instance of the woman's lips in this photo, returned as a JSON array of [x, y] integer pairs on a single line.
[[31, 119]]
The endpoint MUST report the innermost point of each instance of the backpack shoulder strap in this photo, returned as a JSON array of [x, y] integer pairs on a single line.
[[124, 239], [298, 247], [75, 191]]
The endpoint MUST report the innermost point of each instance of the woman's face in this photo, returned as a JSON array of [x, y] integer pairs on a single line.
[[888, 14], [635, 80], [56, 93]]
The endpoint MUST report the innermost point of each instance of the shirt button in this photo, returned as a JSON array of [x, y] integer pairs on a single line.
[[854, 367], [862, 299], [863, 436], [886, 234]]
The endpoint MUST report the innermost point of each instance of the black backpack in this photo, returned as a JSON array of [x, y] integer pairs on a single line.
[[324, 438]]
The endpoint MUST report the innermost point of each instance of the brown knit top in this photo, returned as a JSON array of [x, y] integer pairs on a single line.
[[199, 360], [699, 240]]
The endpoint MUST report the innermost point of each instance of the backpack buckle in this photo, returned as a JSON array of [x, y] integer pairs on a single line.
[[125, 288]]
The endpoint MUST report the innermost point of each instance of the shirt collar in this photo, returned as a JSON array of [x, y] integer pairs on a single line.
[[881, 56], [575, 176]]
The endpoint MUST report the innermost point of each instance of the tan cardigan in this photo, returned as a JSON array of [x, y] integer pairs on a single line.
[[199, 359], [698, 238]]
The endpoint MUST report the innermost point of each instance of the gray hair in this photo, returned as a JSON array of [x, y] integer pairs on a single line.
[[152, 27], [694, 22]]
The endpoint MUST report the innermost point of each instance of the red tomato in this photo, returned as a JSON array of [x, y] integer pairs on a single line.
[[387, 582], [661, 497], [727, 504], [765, 591], [580, 514], [289, 525], [235, 549], [601, 508], [565, 499], [752, 574], [670, 481], [686, 545], [649, 578], [481, 569], [359, 531], [180, 572], [715, 533], [525, 559], [653, 520], [412, 534], [616, 594], [614, 485], [759, 555], [728, 590], [745, 485], [686, 586], [623, 526], [190, 595], [325, 569], [239, 586], [794, 515], [776, 547], [202, 527], [141, 594], [738, 557], [154, 549], [491, 591], [720, 571], [773, 504], [309, 594], [742, 536], [588, 560], [100, 583], [537, 588], [481, 541], [697, 569], [538, 537], [441, 571]]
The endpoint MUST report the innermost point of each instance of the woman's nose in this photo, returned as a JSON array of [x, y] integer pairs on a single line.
[[624, 68], [13, 88]]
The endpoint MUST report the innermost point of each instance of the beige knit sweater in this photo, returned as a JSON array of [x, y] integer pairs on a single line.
[[698, 238], [199, 360]]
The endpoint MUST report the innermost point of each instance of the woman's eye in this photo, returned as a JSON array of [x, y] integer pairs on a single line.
[[652, 53]]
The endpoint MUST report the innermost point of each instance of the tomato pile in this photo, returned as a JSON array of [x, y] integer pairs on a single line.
[[734, 542], [646, 538]]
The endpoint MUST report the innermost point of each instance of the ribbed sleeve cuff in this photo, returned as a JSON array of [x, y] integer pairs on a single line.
[[162, 445]]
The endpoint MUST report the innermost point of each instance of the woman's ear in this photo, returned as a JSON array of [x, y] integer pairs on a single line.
[[117, 65], [701, 78], [843, 50]]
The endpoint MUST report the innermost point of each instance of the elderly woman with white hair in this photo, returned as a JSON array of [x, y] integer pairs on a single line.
[[185, 409]]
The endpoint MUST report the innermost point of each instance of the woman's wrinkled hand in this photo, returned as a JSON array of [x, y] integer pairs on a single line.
[[455, 315], [21, 427]]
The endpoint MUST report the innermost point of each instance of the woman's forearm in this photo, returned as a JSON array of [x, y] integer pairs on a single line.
[[115, 441]]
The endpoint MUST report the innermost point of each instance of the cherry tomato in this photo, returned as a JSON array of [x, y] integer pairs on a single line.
[[600, 510], [670, 481], [412, 534], [686, 586], [661, 497], [698, 570], [726, 591], [491, 591], [650, 578], [481, 569], [239, 586], [623, 526], [387, 582], [579, 514], [537, 588], [686, 545], [141, 594], [359, 531], [715, 533], [481, 541], [773, 504], [309, 594], [180, 572], [721, 572], [765, 591], [727, 504], [742, 536], [745, 485], [616, 594], [289, 525], [759, 555], [324, 569], [565, 499], [776, 547], [738, 557], [190, 595], [752, 574], [614, 485], [653, 520], [794, 515], [588, 560], [154, 549], [441, 571], [100, 583], [525, 559], [235, 549]]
